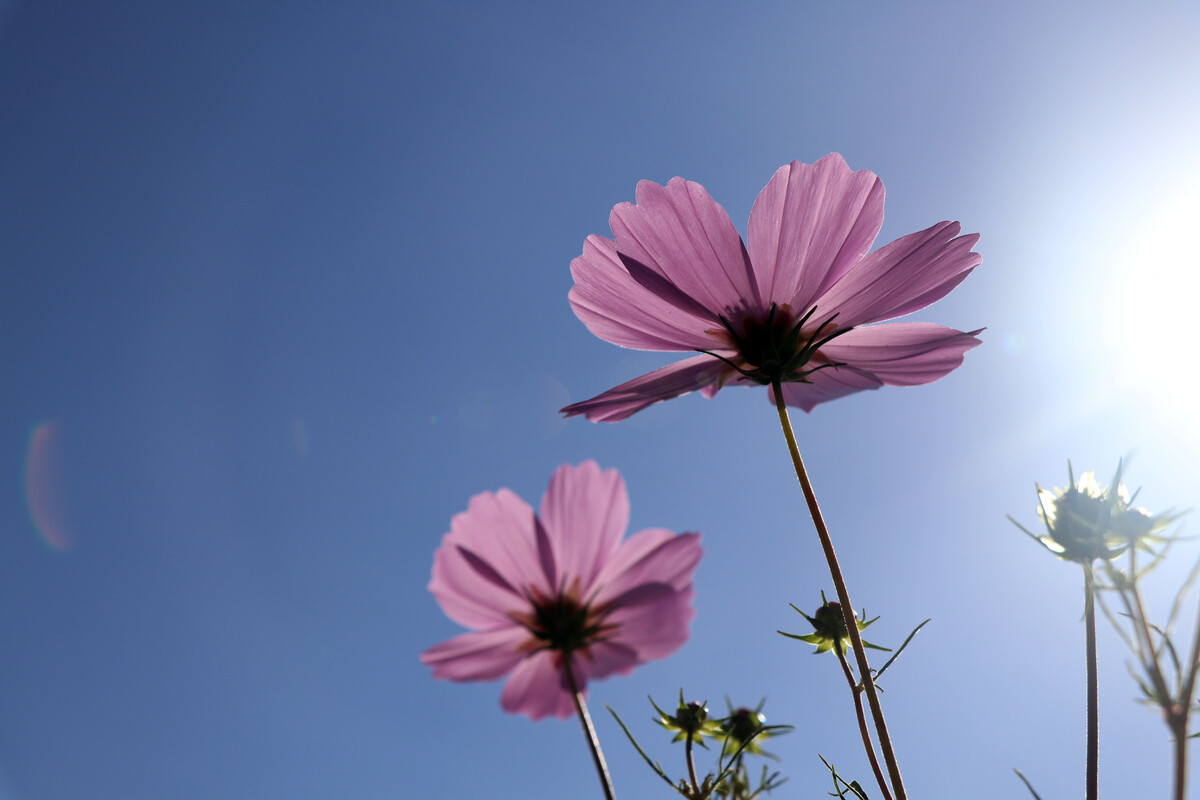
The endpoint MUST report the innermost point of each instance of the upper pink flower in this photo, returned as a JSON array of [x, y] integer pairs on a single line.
[[543, 591], [789, 305]]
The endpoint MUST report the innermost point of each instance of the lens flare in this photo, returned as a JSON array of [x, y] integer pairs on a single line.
[[1012, 343], [44, 488], [300, 436]]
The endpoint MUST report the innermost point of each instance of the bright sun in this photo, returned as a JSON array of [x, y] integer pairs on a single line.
[[1154, 303]]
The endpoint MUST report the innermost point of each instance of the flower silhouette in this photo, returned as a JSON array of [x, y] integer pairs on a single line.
[[1086, 522], [789, 305], [558, 590]]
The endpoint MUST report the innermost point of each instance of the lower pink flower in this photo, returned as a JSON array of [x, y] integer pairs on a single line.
[[560, 589]]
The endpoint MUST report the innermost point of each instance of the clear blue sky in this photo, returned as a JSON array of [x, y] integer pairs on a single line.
[[283, 284]]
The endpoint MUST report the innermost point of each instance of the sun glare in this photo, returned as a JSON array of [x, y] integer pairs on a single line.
[[1155, 301]]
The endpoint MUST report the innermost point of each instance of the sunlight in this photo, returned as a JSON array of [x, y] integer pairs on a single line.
[[1152, 302]]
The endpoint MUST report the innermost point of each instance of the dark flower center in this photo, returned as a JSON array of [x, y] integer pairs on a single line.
[[563, 623], [778, 348]]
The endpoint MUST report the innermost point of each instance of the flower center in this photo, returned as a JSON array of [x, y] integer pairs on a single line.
[[778, 348], [562, 622]]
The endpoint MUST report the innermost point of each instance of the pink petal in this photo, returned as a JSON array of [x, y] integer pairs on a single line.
[[469, 601], [901, 277], [903, 353], [896, 354], [477, 656], [670, 562], [653, 620], [536, 688], [632, 550], [809, 225], [824, 385], [487, 560], [674, 380], [680, 233], [619, 309], [585, 513], [603, 659]]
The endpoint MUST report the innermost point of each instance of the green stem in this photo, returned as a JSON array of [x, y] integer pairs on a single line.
[[1181, 716], [863, 731], [589, 732], [1179, 726], [1131, 597], [1171, 706], [1176, 706], [1093, 696], [839, 584], [691, 764]]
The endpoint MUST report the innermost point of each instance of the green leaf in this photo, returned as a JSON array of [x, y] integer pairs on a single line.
[[901, 650], [1028, 785], [654, 765]]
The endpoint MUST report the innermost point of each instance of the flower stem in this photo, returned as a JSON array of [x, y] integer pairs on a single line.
[[1093, 697], [1178, 723], [1131, 596], [589, 732], [856, 691], [1181, 715], [839, 583], [1175, 709], [691, 764]]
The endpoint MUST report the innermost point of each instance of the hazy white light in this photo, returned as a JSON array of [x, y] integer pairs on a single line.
[[1154, 301]]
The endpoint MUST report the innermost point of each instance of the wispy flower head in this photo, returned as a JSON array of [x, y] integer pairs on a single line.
[[794, 303], [541, 592], [1086, 522]]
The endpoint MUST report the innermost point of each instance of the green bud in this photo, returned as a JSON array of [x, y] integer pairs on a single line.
[[689, 720], [740, 725], [829, 628]]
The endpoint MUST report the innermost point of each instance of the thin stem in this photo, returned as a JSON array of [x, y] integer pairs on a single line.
[[1176, 706], [589, 732], [1181, 715], [1093, 697], [1189, 683], [691, 763], [839, 584], [1142, 625], [1179, 724], [1131, 597], [856, 692]]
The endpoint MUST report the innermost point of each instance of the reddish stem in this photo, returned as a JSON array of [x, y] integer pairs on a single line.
[[839, 583], [589, 732]]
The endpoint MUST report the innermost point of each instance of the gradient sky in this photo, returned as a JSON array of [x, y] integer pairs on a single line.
[[282, 285]]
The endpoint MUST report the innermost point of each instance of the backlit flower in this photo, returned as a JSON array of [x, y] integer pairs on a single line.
[[1087, 521], [689, 719], [793, 303], [829, 628], [541, 592], [746, 729]]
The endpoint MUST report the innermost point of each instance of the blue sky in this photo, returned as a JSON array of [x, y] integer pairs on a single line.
[[283, 285]]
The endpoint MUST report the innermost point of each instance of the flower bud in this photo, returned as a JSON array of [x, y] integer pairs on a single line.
[[829, 628], [1086, 522], [690, 720]]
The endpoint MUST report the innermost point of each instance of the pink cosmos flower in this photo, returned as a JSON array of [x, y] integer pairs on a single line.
[[544, 591], [789, 305]]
